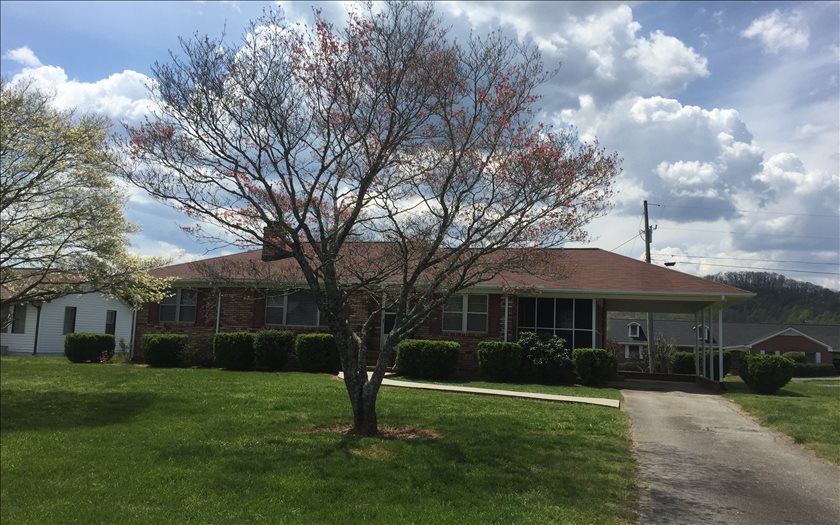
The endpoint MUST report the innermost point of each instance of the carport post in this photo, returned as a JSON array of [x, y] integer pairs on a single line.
[[720, 344], [701, 334], [696, 348]]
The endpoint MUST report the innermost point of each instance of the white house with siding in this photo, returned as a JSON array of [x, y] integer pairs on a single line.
[[41, 330]]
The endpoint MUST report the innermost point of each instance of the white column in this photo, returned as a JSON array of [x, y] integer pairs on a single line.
[[720, 345], [696, 347], [701, 333], [819, 357], [594, 324]]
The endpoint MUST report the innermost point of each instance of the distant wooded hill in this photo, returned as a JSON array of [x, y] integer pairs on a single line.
[[780, 299]]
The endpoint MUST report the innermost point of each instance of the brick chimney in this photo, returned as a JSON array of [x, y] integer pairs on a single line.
[[269, 251]]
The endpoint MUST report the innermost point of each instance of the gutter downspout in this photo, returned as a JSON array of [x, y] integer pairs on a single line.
[[506, 319], [37, 327], [218, 310], [132, 334]]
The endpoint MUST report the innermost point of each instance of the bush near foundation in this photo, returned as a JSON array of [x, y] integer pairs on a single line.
[[163, 350], [317, 353], [713, 362], [683, 363], [766, 374], [272, 347], [594, 366], [814, 370], [499, 361], [545, 359], [234, 350], [198, 351], [84, 347], [427, 359], [796, 357]]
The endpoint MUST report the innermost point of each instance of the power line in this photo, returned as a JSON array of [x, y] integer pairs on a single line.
[[749, 259], [625, 242], [759, 268], [746, 233], [746, 211]]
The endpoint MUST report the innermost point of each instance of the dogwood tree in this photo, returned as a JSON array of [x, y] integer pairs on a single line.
[[62, 230], [384, 157]]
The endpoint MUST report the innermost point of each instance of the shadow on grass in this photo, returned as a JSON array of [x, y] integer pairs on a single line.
[[26, 410], [741, 388]]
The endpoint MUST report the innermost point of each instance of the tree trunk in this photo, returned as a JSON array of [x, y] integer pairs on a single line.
[[362, 392], [364, 415]]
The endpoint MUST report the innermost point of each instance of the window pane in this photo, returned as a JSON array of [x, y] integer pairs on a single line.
[[111, 322], [274, 300], [187, 314], [567, 336], [188, 297], [477, 303], [452, 322], [273, 315], [476, 322], [545, 313], [583, 313], [527, 311], [69, 319], [388, 321], [167, 313], [564, 313], [302, 310], [169, 300], [454, 304], [583, 339], [19, 319]]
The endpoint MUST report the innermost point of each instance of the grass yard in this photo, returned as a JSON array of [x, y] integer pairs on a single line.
[[560, 390], [125, 444], [807, 411]]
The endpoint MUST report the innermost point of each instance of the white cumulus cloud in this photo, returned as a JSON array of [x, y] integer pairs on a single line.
[[779, 31], [24, 56]]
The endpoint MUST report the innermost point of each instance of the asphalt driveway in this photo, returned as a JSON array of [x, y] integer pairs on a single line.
[[702, 461]]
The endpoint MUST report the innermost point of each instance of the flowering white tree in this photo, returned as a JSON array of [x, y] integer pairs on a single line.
[[311, 140]]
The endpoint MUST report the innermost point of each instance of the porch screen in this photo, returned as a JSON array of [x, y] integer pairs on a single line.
[[570, 319]]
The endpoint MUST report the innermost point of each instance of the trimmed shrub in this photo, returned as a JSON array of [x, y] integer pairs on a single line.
[[427, 359], [630, 366], [163, 350], [713, 362], [545, 359], [594, 365], [683, 363], [796, 357], [83, 347], [766, 374], [272, 347], [317, 353], [814, 370], [499, 361], [198, 351], [234, 350]]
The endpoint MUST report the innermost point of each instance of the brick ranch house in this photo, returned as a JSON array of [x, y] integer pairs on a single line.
[[819, 343], [573, 306]]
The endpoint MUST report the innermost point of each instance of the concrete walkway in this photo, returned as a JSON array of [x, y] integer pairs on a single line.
[[702, 461], [599, 401]]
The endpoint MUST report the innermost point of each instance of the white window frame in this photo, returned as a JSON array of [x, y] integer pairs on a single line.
[[633, 330], [285, 297], [178, 305], [591, 331], [465, 312]]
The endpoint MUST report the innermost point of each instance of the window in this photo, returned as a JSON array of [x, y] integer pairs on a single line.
[[465, 313], [296, 309], [179, 307], [571, 319], [19, 319], [69, 319], [111, 322], [633, 330]]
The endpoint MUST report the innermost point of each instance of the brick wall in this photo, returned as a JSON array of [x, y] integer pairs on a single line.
[[792, 343]]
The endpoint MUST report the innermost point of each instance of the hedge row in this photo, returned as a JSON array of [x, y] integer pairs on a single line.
[[84, 347], [426, 359], [263, 350]]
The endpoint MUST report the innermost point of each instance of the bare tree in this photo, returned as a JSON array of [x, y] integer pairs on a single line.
[[384, 158]]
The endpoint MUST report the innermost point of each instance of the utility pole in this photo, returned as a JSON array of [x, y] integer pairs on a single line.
[[651, 340]]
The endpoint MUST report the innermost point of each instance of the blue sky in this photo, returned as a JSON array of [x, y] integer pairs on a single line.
[[726, 113]]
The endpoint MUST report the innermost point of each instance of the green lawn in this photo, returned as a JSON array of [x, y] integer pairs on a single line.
[[807, 411], [125, 444], [561, 390]]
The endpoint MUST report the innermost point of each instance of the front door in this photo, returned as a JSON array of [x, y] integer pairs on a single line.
[[387, 324]]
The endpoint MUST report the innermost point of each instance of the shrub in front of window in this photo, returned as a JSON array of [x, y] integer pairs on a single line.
[[198, 351], [427, 359], [85, 347], [234, 350], [631, 366], [814, 370], [500, 361], [272, 347], [683, 363], [317, 353], [766, 374], [163, 350], [594, 366], [796, 357], [545, 359]]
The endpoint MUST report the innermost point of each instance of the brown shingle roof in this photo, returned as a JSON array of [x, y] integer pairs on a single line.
[[584, 269]]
